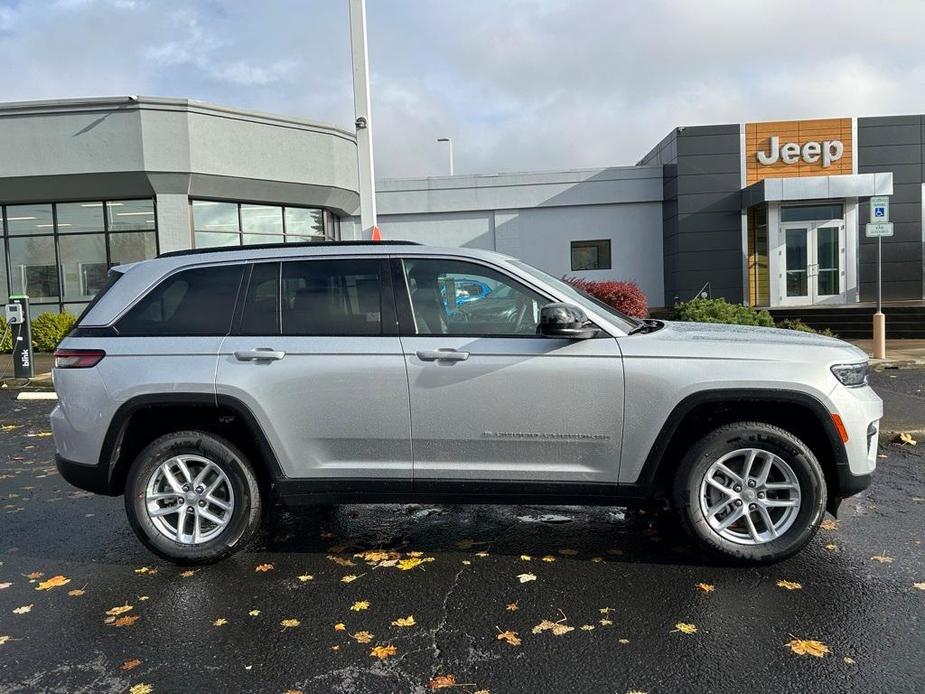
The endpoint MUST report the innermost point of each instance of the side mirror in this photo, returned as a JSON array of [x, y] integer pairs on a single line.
[[565, 320]]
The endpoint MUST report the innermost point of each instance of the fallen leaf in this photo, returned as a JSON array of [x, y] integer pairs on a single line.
[[907, 439], [832, 547], [146, 570], [376, 555], [623, 642], [362, 637], [254, 613], [920, 586], [597, 560], [383, 652], [525, 557], [142, 598], [829, 524], [34, 575], [263, 568], [404, 621], [4, 586], [524, 578], [220, 622], [882, 558], [130, 664], [360, 605], [5, 639], [126, 621], [557, 628], [340, 560], [305, 578], [685, 628], [290, 623], [509, 637], [807, 647], [340, 626], [76, 593], [789, 585], [408, 564], [53, 582], [606, 610], [848, 660], [121, 609], [604, 622], [25, 609], [587, 627], [512, 607], [442, 682], [706, 587], [482, 554], [141, 688], [549, 558], [349, 578]]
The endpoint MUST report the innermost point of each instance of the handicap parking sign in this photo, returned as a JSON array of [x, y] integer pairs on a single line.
[[880, 212], [879, 209]]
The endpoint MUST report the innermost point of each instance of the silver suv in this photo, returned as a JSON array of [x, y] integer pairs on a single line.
[[204, 385]]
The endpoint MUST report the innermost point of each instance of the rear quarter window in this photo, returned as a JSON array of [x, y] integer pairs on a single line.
[[198, 301]]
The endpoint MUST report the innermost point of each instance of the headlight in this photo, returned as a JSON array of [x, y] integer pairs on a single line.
[[852, 375]]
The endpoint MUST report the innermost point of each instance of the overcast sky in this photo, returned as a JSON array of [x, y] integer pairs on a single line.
[[518, 84]]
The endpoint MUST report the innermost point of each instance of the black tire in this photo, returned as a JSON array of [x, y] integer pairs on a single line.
[[732, 437], [245, 516]]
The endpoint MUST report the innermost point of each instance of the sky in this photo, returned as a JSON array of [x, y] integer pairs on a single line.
[[518, 84]]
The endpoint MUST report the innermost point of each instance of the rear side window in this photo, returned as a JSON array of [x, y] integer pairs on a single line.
[[112, 277], [260, 315], [332, 297], [199, 301]]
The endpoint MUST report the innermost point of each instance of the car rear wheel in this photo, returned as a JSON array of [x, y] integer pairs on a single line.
[[750, 492], [192, 497]]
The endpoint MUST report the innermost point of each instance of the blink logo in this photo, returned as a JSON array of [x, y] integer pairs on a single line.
[[828, 151]]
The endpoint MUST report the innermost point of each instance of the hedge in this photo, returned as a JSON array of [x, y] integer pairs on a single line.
[[721, 311], [626, 297], [48, 329]]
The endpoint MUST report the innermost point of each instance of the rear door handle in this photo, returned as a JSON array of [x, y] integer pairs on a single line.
[[443, 354], [259, 354]]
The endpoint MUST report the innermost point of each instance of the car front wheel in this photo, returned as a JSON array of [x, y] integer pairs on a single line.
[[750, 492], [192, 498]]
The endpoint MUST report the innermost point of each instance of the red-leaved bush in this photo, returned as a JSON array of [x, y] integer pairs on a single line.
[[626, 297]]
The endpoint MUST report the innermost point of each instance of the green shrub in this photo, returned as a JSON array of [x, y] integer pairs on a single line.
[[6, 338], [796, 324], [720, 311], [48, 329]]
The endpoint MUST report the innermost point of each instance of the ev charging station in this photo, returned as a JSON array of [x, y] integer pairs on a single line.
[[17, 318]]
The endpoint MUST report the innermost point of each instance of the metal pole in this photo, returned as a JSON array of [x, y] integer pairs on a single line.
[[449, 141], [879, 274], [879, 319], [364, 130]]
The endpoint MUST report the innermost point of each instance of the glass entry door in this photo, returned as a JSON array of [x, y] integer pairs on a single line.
[[813, 262]]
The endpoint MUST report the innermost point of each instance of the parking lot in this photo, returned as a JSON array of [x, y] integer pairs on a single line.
[[479, 598]]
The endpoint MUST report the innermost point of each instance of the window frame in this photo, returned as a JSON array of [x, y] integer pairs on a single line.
[[406, 320], [587, 243], [330, 228], [388, 316]]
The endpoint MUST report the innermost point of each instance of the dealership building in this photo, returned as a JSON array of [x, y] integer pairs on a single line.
[[769, 214]]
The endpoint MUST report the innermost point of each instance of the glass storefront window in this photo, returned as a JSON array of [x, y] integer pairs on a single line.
[[74, 217], [4, 294], [209, 239], [125, 215], [83, 265], [261, 219], [29, 219], [301, 221], [810, 213], [131, 247], [209, 215], [33, 268]]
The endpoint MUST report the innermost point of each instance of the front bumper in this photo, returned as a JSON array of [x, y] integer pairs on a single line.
[[92, 478]]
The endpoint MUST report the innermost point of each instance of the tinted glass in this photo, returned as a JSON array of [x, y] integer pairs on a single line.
[[332, 297], [33, 268], [261, 219], [130, 214], [74, 217], [450, 297], [591, 255], [301, 221], [261, 303], [29, 219], [208, 239], [83, 265], [199, 301], [209, 215], [132, 247], [810, 213]]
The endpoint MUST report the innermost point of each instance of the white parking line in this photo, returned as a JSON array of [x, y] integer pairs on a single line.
[[37, 395]]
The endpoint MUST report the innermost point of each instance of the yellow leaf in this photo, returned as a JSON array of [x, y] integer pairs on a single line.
[[34, 575], [706, 587], [549, 558], [442, 682], [848, 660], [121, 609], [483, 554], [141, 688], [829, 524], [362, 637], [525, 557], [263, 568], [920, 586], [220, 622], [142, 598], [383, 652], [597, 560], [187, 573], [130, 664], [5, 639], [254, 613], [882, 558], [604, 622], [25, 609], [53, 582], [340, 626], [832, 547], [126, 621], [376, 555], [340, 560], [512, 607], [144, 570], [509, 637], [907, 439], [349, 578], [587, 627], [524, 578], [404, 621], [415, 554], [360, 605], [76, 593], [557, 628], [789, 585], [305, 578], [685, 628], [623, 642], [606, 610], [806, 647], [408, 564], [289, 623]]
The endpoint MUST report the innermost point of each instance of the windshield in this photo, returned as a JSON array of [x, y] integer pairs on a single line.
[[581, 298]]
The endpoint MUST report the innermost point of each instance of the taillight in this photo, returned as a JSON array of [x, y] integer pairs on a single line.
[[78, 358]]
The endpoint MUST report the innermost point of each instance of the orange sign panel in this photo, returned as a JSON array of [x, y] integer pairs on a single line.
[[781, 149]]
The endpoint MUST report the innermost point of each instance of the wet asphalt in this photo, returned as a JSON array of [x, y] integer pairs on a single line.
[[621, 587]]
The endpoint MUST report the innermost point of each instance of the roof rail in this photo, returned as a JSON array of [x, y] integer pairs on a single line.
[[264, 246]]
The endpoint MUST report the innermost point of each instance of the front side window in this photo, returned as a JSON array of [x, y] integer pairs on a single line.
[[199, 301], [331, 297], [452, 297]]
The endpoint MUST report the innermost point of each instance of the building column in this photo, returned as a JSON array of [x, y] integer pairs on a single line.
[[173, 222]]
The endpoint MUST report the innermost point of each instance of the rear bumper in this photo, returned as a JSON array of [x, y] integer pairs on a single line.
[[92, 478]]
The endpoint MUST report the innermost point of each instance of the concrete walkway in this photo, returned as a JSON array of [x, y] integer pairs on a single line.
[[897, 351]]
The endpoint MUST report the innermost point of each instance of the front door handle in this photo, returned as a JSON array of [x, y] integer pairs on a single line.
[[259, 354], [443, 354]]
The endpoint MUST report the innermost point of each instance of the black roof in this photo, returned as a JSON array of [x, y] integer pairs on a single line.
[[260, 246]]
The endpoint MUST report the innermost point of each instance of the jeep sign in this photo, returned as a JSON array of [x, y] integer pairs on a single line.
[[811, 152]]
